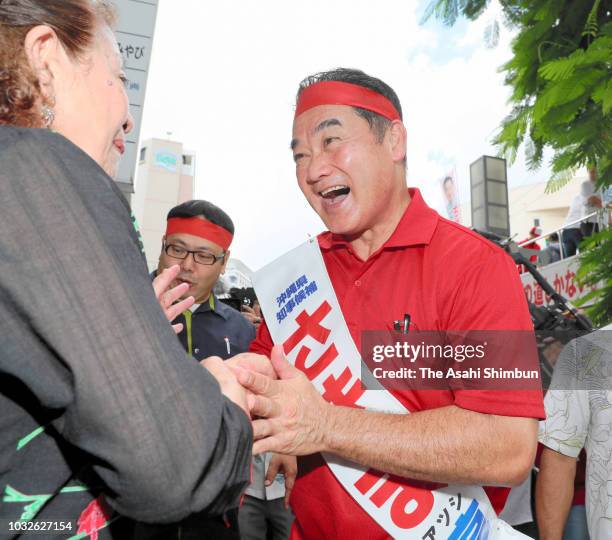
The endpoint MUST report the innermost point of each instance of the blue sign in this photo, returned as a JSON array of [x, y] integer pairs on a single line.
[[166, 160]]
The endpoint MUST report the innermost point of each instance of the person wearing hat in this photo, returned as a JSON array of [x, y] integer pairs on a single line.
[[534, 232]]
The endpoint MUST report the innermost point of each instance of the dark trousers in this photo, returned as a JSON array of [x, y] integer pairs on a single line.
[[571, 241], [194, 527], [260, 519], [588, 228]]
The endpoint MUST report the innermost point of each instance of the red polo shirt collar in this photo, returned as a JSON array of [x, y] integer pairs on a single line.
[[414, 229]]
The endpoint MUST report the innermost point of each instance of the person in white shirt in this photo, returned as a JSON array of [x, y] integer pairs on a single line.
[[591, 203], [578, 415], [571, 235]]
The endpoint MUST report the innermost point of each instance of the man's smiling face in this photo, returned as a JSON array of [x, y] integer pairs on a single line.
[[346, 175]]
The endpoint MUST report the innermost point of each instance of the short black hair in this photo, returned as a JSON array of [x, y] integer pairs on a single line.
[[205, 209], [378, 123], [447, 179]]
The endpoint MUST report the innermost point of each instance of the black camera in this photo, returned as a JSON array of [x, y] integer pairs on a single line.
[[239, 297]]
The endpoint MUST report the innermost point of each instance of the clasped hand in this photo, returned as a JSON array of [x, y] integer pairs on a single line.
[[289, 415]]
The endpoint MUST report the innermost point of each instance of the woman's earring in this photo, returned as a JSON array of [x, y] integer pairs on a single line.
[[47, 111], [48, 115]]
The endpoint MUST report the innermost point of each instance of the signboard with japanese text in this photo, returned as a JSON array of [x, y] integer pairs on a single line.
[[303, 314], [134, 33], [562, 276]]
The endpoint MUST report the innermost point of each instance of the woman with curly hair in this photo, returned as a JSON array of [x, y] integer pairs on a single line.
[[102, 419]]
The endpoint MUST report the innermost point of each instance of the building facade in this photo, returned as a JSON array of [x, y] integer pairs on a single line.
[[165, 178], [530, 205]]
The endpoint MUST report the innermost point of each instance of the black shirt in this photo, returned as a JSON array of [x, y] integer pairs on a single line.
[[96, 395], [216, 330]]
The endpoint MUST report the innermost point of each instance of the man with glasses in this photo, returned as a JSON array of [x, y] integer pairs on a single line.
[[198, 236]]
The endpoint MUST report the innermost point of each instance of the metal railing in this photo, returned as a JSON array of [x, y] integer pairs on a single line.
[[603, 219]]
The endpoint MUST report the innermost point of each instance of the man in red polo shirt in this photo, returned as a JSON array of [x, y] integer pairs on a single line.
[[387, 254]]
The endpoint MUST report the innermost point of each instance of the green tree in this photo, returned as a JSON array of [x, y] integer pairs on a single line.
[[561, 81]]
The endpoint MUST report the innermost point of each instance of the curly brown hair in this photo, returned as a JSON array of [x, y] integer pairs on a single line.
[[74, 22]]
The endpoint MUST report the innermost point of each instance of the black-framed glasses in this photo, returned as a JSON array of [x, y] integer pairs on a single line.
[[200, 257]]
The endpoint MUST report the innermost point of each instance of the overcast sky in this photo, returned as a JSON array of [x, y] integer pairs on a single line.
[[223, 78]]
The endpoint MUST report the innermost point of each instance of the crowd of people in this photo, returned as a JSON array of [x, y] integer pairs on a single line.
[[113, 426]]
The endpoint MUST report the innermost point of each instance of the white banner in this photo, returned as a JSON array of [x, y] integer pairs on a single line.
[[562, 276], [302, 313]]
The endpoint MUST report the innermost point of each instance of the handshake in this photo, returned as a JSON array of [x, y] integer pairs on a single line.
[[281, 403], [288, 415]]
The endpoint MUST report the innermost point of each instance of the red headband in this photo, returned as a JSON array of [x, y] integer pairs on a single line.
[[341, 93], [200, 227]]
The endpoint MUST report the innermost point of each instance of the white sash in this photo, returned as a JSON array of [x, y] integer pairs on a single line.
[[303, 313]]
